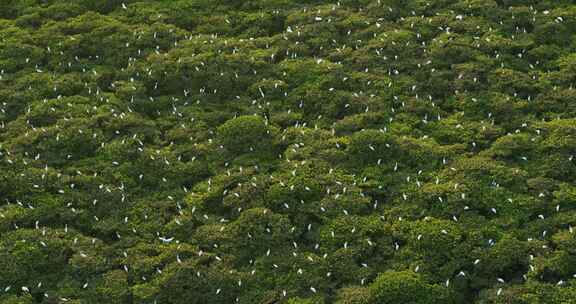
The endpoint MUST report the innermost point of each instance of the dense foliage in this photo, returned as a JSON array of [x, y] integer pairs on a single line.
[[287, 151]]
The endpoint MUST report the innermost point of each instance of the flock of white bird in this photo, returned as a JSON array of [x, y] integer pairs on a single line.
[[154, 154]]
